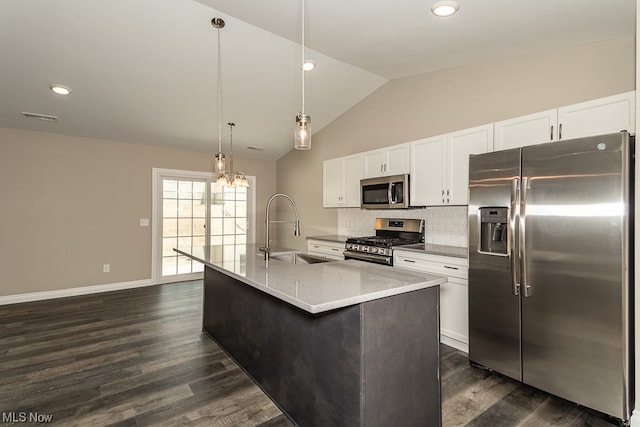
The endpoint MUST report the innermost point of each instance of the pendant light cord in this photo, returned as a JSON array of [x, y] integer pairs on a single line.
[[302, 65], [219, 96], [231, 125]]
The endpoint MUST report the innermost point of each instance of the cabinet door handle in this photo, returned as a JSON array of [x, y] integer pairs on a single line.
[[451, 268], [447, 196], [381, 165], [551, 136], [560, 131], [336, 250], [443, 196], [409, 260]]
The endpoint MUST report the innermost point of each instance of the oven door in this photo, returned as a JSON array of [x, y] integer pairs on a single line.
[[389, 192]]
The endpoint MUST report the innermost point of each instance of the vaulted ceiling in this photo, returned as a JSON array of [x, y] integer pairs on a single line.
[[144, 71]]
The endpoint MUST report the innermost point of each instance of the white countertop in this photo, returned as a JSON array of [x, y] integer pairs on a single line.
[[433, 249], [315, 288], [330, 238]]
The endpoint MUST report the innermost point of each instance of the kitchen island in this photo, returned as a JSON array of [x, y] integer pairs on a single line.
[[332, 343]]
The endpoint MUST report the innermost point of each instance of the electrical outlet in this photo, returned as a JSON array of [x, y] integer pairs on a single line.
[[144, 222], [106, 268]]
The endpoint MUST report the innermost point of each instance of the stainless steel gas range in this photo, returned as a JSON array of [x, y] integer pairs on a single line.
[[390, 232]]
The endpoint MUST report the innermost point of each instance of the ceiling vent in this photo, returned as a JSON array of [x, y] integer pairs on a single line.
[[38, 116]]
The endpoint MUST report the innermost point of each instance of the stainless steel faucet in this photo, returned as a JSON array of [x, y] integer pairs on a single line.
[[296, 228]]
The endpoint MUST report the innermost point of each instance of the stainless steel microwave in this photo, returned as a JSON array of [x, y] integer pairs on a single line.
[[386, 192]]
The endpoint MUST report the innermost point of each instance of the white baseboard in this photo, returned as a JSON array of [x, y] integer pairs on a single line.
[[452, 342], [84, 290]]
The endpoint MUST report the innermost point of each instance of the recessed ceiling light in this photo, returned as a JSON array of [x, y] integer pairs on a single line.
[[308, 66], [60, 90], [444, 8]]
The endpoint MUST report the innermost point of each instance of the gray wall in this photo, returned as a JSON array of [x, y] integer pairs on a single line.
[[434, 103], [70, 205]]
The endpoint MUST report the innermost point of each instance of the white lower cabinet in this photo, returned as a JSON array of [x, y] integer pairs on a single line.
[[326, 249], [454, 300]]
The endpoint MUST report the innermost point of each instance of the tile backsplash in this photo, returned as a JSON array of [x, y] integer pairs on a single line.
[[445, 225]]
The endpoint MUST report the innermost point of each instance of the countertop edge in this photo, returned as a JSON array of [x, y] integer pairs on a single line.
[[430, 281]]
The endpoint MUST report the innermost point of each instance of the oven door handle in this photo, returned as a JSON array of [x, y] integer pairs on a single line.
[[366, 257]]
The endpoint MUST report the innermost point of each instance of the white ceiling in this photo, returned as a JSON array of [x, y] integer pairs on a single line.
[[144, 71]]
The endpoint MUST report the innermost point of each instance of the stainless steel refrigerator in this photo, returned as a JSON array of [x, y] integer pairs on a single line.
[[551, 268]]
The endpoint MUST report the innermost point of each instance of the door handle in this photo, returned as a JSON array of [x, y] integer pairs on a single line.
[[527, 290], [514, 209], [551, 136]]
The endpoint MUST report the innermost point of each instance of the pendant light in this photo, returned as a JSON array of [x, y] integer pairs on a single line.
[[303, 121], [219, 161], [237, 179]]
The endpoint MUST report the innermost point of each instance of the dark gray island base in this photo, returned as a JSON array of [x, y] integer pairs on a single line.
[[375, 363]]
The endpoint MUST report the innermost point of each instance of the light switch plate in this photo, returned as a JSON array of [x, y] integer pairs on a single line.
[[144, 222]]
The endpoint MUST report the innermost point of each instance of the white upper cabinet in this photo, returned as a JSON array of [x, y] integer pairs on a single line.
[[531, 129], [341, 182], [352, 177], [597, 117], [426, 180], [392, 160], [440, 165], [461, 145]]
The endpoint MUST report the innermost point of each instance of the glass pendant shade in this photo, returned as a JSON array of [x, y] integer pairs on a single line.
[[219, 164], [222, 180], [303, 132]]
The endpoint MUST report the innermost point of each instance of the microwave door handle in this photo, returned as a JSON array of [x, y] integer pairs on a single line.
[[392, 194]]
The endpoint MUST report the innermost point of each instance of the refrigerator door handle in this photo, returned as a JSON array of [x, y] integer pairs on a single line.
[[525, 286], [513, 216]]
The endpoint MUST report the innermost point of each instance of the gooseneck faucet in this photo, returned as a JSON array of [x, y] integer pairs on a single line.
[[296, 228]]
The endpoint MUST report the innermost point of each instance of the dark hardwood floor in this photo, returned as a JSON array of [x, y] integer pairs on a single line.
[[138, 358]]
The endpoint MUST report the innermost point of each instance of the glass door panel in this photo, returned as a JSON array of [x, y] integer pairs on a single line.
[[192, 213]]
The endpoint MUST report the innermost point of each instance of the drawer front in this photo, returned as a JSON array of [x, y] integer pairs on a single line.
[[452, 267], [327, 249]]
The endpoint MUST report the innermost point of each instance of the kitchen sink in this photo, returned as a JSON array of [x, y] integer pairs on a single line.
[[299, 258]]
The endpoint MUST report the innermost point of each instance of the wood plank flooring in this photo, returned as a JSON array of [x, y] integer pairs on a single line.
[[138, 358]]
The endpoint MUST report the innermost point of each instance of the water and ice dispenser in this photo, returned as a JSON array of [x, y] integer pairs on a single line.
[[493, 231]]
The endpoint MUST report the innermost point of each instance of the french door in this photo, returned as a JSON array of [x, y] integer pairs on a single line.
[[191, 213]]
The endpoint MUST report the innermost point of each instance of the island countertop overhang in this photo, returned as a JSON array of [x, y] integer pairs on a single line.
[[314, 288]]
